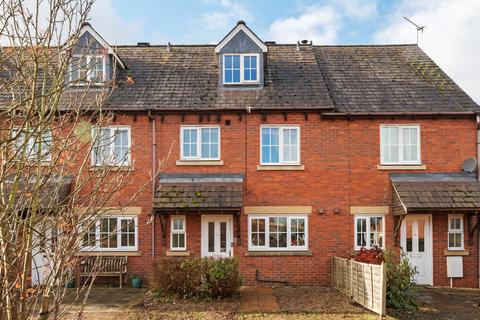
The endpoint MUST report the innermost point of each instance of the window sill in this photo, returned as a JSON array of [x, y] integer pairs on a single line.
[[295, 167], [178, 253], [110, 253], [112, 168], [199, 163], [402, 167], [456, 252], [277, 253]]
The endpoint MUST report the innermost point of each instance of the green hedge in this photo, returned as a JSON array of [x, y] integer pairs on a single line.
[[196, 278]]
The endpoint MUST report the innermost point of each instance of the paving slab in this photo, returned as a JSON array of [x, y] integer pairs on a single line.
[[104, 303], [257, 300], [451, 303]]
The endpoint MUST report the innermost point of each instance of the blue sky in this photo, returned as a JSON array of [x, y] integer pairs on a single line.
[[451, 37]]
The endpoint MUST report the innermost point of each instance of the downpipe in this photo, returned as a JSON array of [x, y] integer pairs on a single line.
[[154, 174], [478, 178]]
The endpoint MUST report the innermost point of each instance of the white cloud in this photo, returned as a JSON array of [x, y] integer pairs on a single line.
[[318, 23], [451, 36], [360, 9], [221, 20], [114, 28], [321, 23]]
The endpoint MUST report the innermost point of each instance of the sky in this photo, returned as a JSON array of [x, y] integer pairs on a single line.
[[451, 37]]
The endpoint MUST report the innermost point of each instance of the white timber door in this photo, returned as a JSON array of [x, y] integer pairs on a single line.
[[217, 236], [416, 242], [44, 243]]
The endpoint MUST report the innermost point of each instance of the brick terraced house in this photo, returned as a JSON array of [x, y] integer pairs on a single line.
[[284, 155]]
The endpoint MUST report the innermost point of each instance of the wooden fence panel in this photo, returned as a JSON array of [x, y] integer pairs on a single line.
[[364, 283]]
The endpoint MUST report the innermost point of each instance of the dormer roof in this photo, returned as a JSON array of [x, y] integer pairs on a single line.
[[86, 27], [241, 26]]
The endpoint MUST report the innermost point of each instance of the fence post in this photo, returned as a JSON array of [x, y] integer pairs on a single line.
[[384, 291]]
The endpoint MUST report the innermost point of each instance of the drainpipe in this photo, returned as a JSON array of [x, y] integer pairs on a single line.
[[478, 178], [154, 170]]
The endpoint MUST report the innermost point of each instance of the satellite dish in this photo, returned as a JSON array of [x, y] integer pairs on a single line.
[[470, 165]]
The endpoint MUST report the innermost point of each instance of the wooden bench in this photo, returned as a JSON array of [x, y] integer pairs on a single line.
[[104, 267]]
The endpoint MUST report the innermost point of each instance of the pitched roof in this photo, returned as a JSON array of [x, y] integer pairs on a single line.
[[388, 78], [351, 79], [187, 78], [199, 191], [435, 191]]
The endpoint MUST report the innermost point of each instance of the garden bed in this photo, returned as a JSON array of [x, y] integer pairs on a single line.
[[316, 300], [154, 307]]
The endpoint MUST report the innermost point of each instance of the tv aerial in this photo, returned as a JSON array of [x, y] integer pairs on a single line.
[[419, 28]]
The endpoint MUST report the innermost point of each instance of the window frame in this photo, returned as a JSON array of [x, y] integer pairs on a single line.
[[46, 155], [267, 217], [87, 81], [199, 157], [401, 127], [98, 248], [242, 80], [126, 163], [367, 240], [281, 145], [183, 231], [456, 231]]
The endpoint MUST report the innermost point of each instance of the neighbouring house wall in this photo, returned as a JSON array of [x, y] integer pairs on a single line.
[[440, 244]]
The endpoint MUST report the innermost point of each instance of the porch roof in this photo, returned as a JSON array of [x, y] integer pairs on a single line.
[[458, 191], [50, 191], [198, 192]]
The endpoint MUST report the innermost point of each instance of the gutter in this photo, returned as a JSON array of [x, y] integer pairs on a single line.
[[398, 114]]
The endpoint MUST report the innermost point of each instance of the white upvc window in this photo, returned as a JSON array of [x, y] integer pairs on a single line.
[[200, 143], [88, 69], [400, 144], [241, 68], [37, 145], [112, 233], [277, 232], [178, 233], [280, 145], [369, 231], [455, 232], [111, 146]]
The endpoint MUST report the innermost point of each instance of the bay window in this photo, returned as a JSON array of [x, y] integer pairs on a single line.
[[277, 232]]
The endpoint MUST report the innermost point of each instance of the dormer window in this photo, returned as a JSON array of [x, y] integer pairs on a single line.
[[240, 68], [88, 69]]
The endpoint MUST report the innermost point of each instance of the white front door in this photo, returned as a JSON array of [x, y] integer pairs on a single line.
[[44, 242], [416, 242], [217, 236]]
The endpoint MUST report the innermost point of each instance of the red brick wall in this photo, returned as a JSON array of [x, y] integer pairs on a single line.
[[340, 158]]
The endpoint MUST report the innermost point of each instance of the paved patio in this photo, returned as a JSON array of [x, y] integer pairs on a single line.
[[257, 300], [450, 303], [105, 303]]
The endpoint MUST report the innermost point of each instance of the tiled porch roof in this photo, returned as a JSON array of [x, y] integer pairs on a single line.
[[434, 191], [199, 191]]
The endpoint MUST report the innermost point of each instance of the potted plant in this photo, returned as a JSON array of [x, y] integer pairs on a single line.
[[136, 281], [69, 280]]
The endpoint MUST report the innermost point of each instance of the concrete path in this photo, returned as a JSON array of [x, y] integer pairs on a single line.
[[451, 303], [257, 300], [105, 303]]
